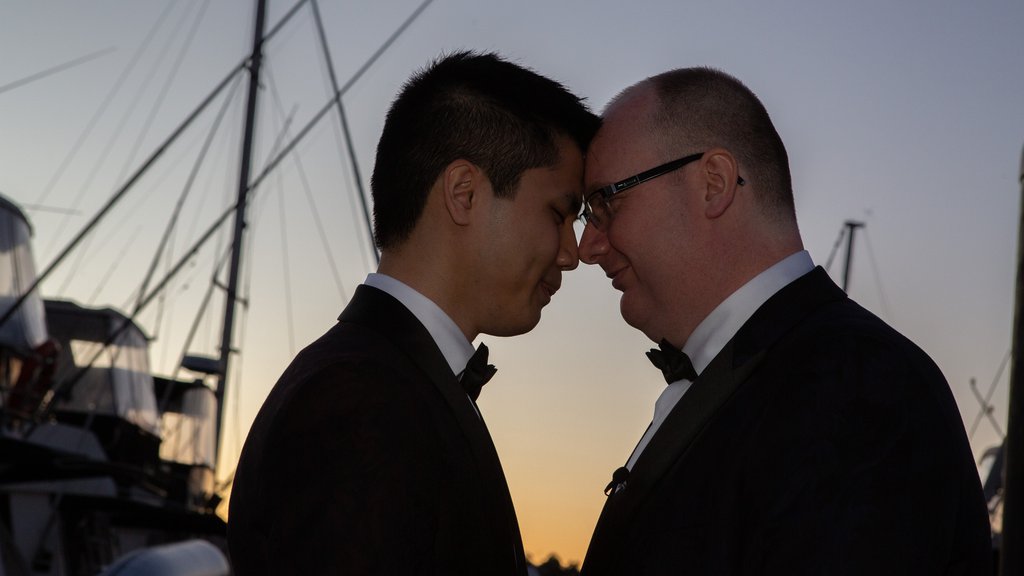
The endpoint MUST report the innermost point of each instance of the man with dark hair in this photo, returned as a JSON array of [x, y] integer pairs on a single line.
[[370, 456], [798, 434]]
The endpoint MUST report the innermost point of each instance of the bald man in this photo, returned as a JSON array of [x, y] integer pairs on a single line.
[[798, 433]]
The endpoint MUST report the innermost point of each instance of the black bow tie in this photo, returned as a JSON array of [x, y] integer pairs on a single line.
[[673, 362], [477, 372]]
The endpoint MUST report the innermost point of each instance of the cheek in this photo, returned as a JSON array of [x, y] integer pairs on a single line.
[[650, 256], [629, 242], [540, 244]]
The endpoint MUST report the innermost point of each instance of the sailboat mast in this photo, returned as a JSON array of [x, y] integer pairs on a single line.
[[243, 191], [851, 227]]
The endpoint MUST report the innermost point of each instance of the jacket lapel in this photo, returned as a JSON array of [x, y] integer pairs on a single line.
[[723, 377], [712, 389], [384, 314]]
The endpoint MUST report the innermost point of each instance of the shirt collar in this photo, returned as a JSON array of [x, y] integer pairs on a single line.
[[715, 331], [446, 334]]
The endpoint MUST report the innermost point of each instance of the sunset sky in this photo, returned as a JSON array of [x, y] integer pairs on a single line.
[[906, 116]]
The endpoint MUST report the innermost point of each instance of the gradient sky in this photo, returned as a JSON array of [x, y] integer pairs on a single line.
[[907, 116]]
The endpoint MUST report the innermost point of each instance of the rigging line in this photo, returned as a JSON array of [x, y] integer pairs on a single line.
[[240, 66], [53, 209], [162, 307], [986, 402], [228, 481], [387, 44], [245, 288], [107, 100], [999, 374], [219, 265], [289, 314], [282, 133], [115, 135], [129, 216], [187, 189], [239, 366], [835, 248], [245, 62], [165, 89], [344, 124], [303, 178], [272, 164], [222, 245], [284, 19], [259, 210], [117, 196], [366, 243], [236, 441], [46, 406], [114, 266], [194, 328], [227, 148], [228, 187], [72, 273], [55, 69], [878, 277], [339, 93], [96, 246], [986, 411]]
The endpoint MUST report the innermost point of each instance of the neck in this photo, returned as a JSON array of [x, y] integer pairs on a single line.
[[730, 265], [432, 277]]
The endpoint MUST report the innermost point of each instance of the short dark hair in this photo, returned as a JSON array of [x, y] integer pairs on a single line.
[[704, 107], [476, 106]]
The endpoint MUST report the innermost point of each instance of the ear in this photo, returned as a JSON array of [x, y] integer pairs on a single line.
[[721, 172], [461, 184]]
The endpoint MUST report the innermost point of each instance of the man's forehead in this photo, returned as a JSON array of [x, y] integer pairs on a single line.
[[616, 146], [625, 121]]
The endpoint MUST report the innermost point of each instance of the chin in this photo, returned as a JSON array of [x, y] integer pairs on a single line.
[[635, 316], [514, 327]]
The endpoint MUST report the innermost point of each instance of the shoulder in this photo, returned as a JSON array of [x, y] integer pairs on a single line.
[[847, 382], [340, 407], [846, 378], [350, 377], [347, 395], [845, 340]]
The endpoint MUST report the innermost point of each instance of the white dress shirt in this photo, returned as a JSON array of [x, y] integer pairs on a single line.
[[456, 349], [715, 331]]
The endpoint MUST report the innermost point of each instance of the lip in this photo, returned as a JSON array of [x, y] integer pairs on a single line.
[[616, 277], [548, 289]]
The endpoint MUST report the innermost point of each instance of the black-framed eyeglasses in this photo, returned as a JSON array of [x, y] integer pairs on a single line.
[[596, 207]]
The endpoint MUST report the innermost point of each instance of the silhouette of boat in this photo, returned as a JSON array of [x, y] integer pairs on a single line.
[[104, 466]]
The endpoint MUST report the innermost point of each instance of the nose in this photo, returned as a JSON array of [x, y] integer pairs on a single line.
[[593, 244], [568, 254]]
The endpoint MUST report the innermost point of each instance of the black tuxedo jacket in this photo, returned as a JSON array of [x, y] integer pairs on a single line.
[[368, 458], [819, 441]]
